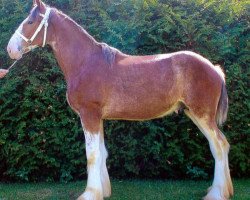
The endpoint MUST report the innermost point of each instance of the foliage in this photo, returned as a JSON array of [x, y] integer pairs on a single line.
[[41, 138]]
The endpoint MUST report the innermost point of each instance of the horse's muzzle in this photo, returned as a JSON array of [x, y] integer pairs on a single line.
[[14, 48]]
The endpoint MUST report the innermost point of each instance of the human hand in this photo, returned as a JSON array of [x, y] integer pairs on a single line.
[[3, 72]]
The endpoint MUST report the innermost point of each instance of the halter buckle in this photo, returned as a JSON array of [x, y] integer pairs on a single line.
[[29, 42]]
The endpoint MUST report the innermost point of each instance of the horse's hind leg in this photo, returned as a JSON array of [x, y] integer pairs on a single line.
[[222, 187]]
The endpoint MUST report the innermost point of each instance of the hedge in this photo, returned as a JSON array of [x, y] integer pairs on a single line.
[[41, 138]]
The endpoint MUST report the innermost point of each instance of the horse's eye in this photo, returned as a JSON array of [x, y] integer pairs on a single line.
[[30, 22]]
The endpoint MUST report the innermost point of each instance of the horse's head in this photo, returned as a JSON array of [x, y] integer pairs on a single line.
[[32, 32]]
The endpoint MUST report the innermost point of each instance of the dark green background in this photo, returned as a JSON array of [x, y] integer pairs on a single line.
[[41, 138]]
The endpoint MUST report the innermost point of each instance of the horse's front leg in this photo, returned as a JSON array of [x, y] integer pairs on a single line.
[[98, 184]]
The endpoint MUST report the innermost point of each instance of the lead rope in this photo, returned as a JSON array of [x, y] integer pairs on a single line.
[[12, 65], [4, 72], [30, 49]]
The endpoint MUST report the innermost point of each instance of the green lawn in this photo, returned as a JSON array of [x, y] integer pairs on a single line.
[[122, 190]]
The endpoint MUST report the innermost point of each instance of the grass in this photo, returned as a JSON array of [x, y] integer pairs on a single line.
[[121, 190]]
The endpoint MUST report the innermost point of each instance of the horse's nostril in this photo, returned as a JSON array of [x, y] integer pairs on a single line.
[[9, 50], [19, 48]]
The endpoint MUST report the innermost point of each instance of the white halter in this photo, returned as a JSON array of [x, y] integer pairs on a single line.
[[44, 23]]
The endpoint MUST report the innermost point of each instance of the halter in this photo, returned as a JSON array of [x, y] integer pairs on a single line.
[[44, 23]]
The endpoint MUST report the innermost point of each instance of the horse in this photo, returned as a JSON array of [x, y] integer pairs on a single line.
[[105, 84]]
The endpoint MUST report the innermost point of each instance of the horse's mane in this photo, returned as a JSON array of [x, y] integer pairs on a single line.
[[80, 28], [109, 53]]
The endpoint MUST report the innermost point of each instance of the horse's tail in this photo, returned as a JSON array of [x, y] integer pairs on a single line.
[[222, 109]]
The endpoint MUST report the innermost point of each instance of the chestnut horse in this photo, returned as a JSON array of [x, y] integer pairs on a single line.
[[104, 83]]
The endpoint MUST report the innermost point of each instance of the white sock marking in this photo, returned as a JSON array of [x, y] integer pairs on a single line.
[[94, 157]]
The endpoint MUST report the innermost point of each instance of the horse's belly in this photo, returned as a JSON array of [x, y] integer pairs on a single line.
[[140, 108], [140, 115]]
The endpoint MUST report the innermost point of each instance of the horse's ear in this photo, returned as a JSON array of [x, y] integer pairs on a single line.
[[39, 4]]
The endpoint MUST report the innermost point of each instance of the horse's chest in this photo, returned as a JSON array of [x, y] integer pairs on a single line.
[[82, 94], [71, 103]]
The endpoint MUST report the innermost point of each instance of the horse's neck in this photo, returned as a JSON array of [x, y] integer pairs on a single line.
[[72, 45]]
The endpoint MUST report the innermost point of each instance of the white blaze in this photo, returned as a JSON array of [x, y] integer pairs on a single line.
[[15, 44]]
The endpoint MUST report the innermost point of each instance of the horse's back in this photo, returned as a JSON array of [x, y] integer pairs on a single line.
[[143, 87]]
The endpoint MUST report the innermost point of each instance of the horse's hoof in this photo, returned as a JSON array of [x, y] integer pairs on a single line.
[[216, 193], [91, 194]]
